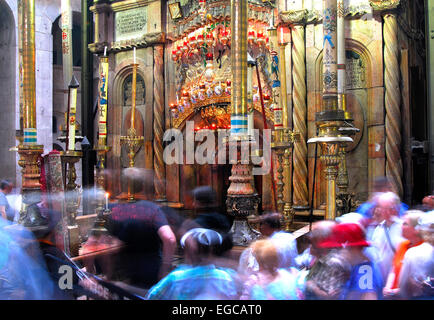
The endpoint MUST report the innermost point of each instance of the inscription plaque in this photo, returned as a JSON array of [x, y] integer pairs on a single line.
[[131, 24], [356, 71]]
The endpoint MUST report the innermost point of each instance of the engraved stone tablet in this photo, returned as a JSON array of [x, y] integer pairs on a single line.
[[131, 24], [356, 71]]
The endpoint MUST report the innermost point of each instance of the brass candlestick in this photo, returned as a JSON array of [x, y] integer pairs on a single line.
[[345, 200], [330, 140], [132, 140], [283, 140], [99, 225]]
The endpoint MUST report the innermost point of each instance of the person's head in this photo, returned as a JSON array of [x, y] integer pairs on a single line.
[[387, 206], [200, 245], [269, 223], [429, 201], [409, 224], [6, 186], [426, 227], [321, 230], [265, 253], [204, 197]]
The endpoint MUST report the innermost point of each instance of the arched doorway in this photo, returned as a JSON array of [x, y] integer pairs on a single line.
[[7, 92]]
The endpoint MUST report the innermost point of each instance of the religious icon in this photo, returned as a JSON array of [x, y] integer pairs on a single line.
[[175, 10]]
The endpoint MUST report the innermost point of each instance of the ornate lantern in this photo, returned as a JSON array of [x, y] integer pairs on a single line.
[[260, 40], [209, 70], [224, 38], [185, 47], [200, 40], [251, 37], [209, 39], [193, 42]]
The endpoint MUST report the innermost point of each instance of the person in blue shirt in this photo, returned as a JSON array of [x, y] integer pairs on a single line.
[[199, 278], [6, 211]]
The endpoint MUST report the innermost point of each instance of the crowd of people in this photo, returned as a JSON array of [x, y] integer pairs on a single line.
[[384, 250]]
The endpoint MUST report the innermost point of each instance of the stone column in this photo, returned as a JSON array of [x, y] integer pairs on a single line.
[[394, 169], [159, 124]]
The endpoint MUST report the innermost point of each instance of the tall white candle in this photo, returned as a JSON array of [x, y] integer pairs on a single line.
[[134, 55], [106, 200], [105, 51]]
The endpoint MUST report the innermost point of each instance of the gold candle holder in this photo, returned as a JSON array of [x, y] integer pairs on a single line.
[[330, 140], [283, 141], [132, 140]]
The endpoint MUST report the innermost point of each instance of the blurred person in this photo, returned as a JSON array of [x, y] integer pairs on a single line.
[[23, 274], [270, 282], [380, 185], [428, 202], [330, 270], [413, 239], [198, 278], [6, 211], [416, 280], [209, 217], [365, 281], [55, 259], [150, 242], [285, 243], [320, 231], [388, 234]]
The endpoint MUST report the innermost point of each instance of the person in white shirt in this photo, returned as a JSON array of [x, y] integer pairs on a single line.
[[388, 234], [417, 274]]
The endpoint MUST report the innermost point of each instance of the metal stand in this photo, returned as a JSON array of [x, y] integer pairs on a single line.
[[283, 141]]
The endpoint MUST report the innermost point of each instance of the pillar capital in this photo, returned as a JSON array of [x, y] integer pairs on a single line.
[[384, 5], [294, 17]]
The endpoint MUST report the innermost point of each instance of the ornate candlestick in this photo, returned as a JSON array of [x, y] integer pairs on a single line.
[[101, 150], [69, 158], [330, 118], [345, 201], [72, 197], [283, 141], [132, 140]]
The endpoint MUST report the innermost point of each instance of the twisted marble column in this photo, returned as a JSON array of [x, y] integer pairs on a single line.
[[394, 169], [159, 167], [300, 191]]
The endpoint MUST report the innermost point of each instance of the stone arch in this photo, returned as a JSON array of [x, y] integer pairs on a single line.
[[8, 90]]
